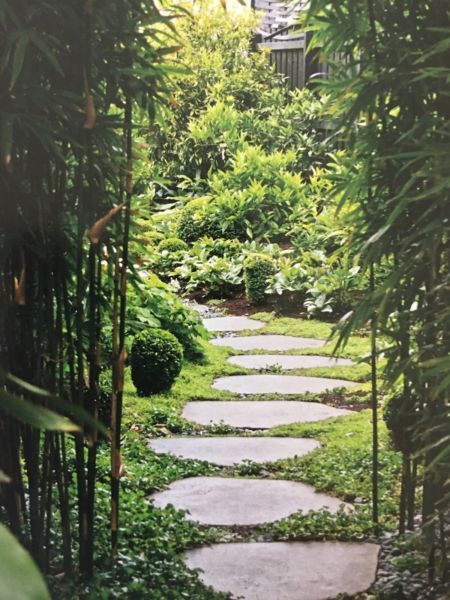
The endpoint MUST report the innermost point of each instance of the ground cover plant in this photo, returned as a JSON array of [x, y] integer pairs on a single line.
[[149, 562]]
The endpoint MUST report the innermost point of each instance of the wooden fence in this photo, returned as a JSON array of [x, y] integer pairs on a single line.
[[287, 44]]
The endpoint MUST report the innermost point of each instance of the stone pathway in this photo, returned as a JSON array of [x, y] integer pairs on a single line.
[[238, 501], [258, 570], [231, 323], [229, 451], [276, 343], [278, 384], [258, 414], [286, 362], [287, 570]]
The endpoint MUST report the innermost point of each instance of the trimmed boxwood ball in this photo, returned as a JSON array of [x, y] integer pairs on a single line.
[[190, 225], [257, 269], [172, 244], [401, 419], [156, 358]]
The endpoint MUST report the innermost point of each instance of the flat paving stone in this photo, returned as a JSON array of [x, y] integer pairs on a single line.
[[202, 309], [231, 323], [278, 343], [287, 570], [225, 501], [278, 384], [258, 414], [229, 451], [286, 362]]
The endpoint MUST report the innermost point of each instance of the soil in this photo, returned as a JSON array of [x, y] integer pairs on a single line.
[[239, 305]]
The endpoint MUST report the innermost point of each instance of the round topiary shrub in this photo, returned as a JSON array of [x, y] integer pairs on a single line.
[[156, 357], [257, 269], [400, 419], [190, 225], [172, 244]]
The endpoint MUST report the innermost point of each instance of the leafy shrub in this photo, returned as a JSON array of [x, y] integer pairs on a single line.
[[218, 275], [153, 304], [104, 397], [171, 245], [223, 69], [156, 358], [257, 195], [168, 252], [400, 419], [190, 226], [204, 217], [257, 270]]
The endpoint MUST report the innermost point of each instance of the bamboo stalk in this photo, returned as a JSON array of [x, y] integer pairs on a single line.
[[119, 362]]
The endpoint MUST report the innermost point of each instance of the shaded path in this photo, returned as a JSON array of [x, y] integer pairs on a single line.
[[273, 571]]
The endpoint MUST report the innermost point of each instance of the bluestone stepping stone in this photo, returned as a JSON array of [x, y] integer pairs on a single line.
[[287, 570], [225, 501], [202, 309], [278, 343], [229, 451], [278, 384], [286, 362], [231, 323], [259, 414]]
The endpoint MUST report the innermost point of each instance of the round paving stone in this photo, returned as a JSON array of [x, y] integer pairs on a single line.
[[259, 414], [229, 451], [286, 362], [278, 343], [278, 384], [225, 501], [231, 323], [287, 570]]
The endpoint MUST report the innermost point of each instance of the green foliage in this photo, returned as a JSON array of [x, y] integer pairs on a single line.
[[20, 578], [167, 254], [202, 218], [171, 245], [342, 465], [257, 270], [396, 183], [156, 358], [104, 396], [153, 304], [401, 416], [225, 77], [73, 75]]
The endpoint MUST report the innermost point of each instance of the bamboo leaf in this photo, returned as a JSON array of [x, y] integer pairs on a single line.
[[76, 413], [20, 578], [18, 58], [6, 140], [4, 478], [34, 415]]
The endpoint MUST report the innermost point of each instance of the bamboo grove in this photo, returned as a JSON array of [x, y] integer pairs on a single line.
[[389, 89], [72, 74]]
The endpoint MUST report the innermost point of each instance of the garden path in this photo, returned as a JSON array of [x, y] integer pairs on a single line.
[[261, 570]]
